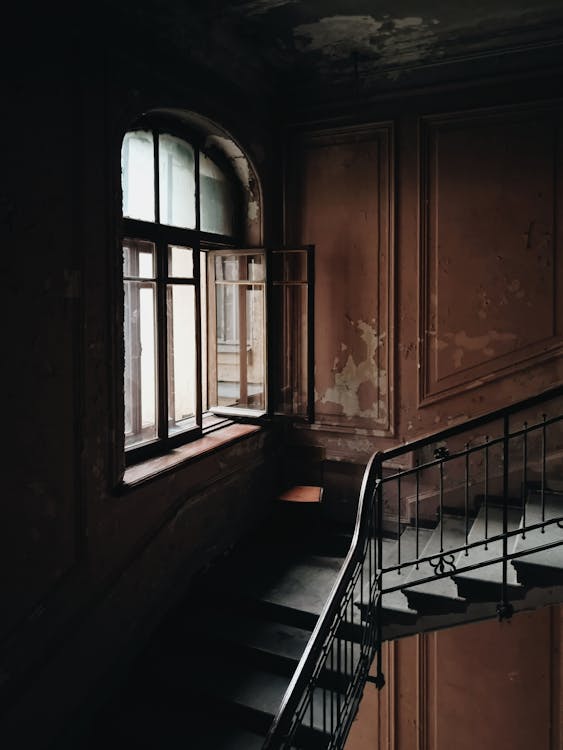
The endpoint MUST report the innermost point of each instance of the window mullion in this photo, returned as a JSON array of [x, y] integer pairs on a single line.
[[197, 285], [197, 190], [162, 333], [156, 177]]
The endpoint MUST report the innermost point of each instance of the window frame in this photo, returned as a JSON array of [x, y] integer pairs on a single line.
[[202, 245], [164, 236]]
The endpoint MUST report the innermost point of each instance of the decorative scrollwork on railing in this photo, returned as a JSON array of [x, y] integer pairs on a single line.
[[444, 563], [560, 524]]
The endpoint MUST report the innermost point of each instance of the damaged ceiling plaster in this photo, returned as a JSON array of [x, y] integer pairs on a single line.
[[321, 44], [314, 51]]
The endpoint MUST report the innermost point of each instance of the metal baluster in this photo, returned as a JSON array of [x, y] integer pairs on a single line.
[[399, 523], [441, 505], [352, 634], [416, 519], [373, 567], [486, 491], [331, 690], [543, 462], [362, 579], [524, 478], [505, 608], [345, 640], [339, 672], [324, 709], [380, 680], [311, 692], [466, 498]]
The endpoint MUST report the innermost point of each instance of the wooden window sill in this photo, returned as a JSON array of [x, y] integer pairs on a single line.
[[154, 467]]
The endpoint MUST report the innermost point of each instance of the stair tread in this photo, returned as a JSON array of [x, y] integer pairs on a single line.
[[262, 691], [490, 573], [304, 584], [158, 725], [453, 536], [279, 639], [550, 558], [396, 600]]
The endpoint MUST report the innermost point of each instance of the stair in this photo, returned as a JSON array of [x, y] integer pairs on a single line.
[[544, 567], [214, 675], [226, 655], [483, 584]]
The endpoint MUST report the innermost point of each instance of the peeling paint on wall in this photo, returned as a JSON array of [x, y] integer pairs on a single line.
[[359, 387], [464, 343], [336, 37]]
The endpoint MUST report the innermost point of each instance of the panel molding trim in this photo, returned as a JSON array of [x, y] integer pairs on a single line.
[[490, 276], [379, 419]]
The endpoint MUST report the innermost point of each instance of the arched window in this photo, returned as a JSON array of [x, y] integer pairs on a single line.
[[195, 303]]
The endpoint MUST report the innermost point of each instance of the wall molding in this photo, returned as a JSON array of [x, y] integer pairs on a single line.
[[434, 386], [382, 134]]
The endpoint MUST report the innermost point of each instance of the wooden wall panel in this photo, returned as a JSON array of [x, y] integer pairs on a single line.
[[340, 198], [490, 286], [486, 685]]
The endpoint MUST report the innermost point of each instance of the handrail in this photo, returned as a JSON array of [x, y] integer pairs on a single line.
[[307, 663], [366, 513]]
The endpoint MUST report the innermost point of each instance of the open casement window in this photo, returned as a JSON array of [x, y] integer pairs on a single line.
[[209, 331], [244, 326], [237, 363]]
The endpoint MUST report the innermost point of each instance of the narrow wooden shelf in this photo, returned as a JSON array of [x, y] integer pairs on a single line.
[[301, 493]]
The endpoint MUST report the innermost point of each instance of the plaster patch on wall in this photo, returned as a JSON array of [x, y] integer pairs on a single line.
[[242, 169], [253, 210], [359, 389], [464, 343]]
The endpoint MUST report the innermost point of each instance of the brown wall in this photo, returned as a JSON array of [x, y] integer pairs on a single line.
[[86, 566], [488, 685], [438, 262]]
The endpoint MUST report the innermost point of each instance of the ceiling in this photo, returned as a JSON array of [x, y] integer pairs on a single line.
[[326, 49]]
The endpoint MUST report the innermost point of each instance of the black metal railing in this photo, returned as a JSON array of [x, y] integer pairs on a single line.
[[495, 462]]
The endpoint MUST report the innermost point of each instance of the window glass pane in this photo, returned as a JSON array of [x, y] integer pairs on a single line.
[[137, 175], [290, 348], [138, 259], [289, 265], [216, 198], [180, 262], [240, 345], [176, 182], [182, 384], [204, 323], [140, 362], [240, 267]]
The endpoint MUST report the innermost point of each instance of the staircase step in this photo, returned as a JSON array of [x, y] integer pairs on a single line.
[[440, 595], [395, 606], [252, 697], [271, 643], [483, 584], [148, 723], [543, 568], [304, 584]]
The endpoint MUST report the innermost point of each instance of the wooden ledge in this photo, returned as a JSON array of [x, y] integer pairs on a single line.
[[204, 446], [302, 493]]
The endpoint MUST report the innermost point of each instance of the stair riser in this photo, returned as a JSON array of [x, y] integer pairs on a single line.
[[430, 604], [486, 591]]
